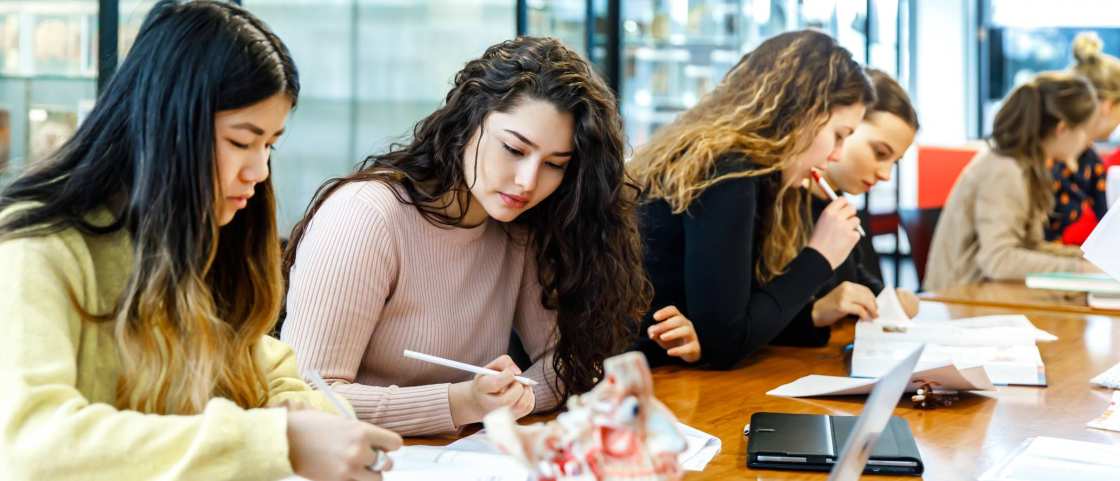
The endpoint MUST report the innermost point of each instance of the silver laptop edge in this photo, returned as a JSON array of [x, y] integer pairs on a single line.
[[876, 414]]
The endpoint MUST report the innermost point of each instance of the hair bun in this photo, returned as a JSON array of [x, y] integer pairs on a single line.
[[1087, 47]]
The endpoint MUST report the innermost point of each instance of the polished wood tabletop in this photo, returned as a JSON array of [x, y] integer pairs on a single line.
[[1016, 295], [957, 442]]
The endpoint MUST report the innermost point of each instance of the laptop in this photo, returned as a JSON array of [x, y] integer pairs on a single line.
[[873, 442]]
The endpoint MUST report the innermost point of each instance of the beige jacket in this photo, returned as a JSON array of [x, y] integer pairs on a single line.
[[984, 232]]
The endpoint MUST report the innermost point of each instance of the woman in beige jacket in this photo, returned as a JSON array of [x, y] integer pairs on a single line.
[[991, 226]]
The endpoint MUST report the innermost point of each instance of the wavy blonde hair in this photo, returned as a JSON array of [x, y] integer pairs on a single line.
[[767, 109]]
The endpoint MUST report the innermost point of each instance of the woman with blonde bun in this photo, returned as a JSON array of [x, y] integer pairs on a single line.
[[1079, 184]]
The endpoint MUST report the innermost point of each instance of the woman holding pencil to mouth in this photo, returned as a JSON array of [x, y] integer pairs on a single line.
[[508, 211], [724, 221]]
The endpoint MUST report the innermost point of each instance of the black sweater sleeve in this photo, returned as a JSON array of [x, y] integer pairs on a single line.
[[734, 315], [866, 261]]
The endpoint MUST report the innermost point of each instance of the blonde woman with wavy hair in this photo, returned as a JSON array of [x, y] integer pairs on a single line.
[[1079, 184], [728, 238], [140, 273], [991, 227]]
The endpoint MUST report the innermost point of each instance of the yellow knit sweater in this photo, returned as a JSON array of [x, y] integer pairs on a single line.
[[60, 374]]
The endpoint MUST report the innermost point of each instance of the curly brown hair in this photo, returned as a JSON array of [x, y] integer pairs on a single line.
[[768, 109], [584, 236]]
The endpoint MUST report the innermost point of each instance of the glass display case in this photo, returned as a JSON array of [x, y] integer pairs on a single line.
[[370, 69], [48, 69], [673, 52]]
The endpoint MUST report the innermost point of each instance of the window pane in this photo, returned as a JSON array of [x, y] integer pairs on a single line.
[[48, 68], [132, 13], [369, 71]]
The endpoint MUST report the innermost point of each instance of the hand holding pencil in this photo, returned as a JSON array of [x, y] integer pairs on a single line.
[[837, 231], [472, 400]]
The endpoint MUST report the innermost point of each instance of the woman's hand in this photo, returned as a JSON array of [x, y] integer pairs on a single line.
[[835, 235], [676, 334], [847, 299], [327, 447], [473, 400]]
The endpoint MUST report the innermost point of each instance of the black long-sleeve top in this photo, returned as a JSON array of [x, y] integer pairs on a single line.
[[861, 267], [703, 260]]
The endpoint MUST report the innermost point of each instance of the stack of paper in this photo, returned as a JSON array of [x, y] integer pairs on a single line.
[[1004, 345], [943, 378], [1100, 246], [1054, 459], [701, 447]]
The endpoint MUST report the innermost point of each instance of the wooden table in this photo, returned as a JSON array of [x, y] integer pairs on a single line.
[[959, 442], [1016, 295]]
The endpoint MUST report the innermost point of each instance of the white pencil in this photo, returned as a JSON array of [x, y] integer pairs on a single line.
[[462, 366], [381, 459], [832, 195]]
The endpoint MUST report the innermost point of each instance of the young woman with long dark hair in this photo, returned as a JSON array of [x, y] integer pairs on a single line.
[[140, 273], [507, 211]]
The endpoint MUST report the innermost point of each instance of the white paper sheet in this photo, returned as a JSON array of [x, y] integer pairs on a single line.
[[702, 447], [1100, 247], [1055, 459], [946, 377], [1004, 345], [890, 308], [1110, 419], [435, 463]]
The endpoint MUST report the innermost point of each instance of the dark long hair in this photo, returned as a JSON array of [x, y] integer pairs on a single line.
[[584, 236], [195, 303]]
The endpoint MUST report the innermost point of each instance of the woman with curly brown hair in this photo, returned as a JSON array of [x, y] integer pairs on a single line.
[[728, 239], [507, 212]]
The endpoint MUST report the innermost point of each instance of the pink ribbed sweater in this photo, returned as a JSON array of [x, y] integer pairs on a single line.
[[373, 278]]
